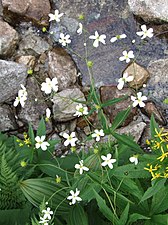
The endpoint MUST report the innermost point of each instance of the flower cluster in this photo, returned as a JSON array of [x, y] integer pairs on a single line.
[[46, 216], [22, 97]]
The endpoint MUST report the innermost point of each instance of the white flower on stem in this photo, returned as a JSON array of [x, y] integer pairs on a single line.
[[81, 167], [43, 221], [64, 39], [118, 37], [48, 113], [80, 29], [108, 161], [47, 213], [145, 32], [71, 139], [74, 197], [127, 56], [41, 143], [50, 85], [97, 134], [134, 159], [56, 16], [22, 97], [123, 80], [98, 38], [81, 110], [138, 100]]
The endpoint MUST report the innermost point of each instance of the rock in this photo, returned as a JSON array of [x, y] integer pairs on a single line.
[[111, 92], [150, 10], [151, 108], [32, 44], [27, 60], [64, 106], [7, 121], [11, 76], [139, 73], [135, 129], [8, 39], [65, 126], [66, 73], [34, 110], [31, 10]]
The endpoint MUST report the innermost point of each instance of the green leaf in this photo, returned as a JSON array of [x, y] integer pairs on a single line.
[[161, 219], [124, 215], [106, 211], [31, 134], [119, 119], [113, 101], [136, 216], [128, 141], [153, 126], [41, 128], [77, 216], [151, 191]]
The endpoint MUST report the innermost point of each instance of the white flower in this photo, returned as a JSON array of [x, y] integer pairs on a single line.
[[124, 79], [138, 100], [48, 113], [127, 56], [47, 213], [98, 38], [22, 97], [56, 16], [81, 110], [108, 161], [80, 29], [49, 85], [118, 37], [81, 167], [64, 39], [134, 159], [41, 143], [97, 134], [74, 197], [145, 33], [71, 139], [43, 221]]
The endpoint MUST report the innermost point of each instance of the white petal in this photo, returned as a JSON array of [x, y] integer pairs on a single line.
[[122, 58], [66, 143], [108, 156], [120, 85], [113, 39], [38, 145], [135, 103], [110, 165], [73, 134], [129, 78], [104, 163], [96, 43], [127, 60], [143, 98], [65, 135], [103, 157], [77, 166], [123, 36], [141, 104], [144, 28], [37, 139]]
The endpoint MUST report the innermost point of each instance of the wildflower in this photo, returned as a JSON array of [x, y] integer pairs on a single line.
[[145, 33], [71, 139], [64, 39], [56, 16], [58, 179], [22, 96], [138, 100], [124, 79], [98, 38], [108, 161], [47, 213], [80, 29], [43, 221], [118, 37], [48, 114], [81, 167], [81, 110], [134, 159], [74, 197], [97, 134], [49, 85], [163, 156], [127, 56], [41, 143]]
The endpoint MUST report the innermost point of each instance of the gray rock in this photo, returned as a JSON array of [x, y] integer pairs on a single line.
[[150, 10], [66, 73], [11, 76], [8, 39], [35, 106], [64, 106], [7, 121]]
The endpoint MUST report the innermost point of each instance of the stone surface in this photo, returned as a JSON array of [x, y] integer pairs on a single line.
[[62, 67], [111, 92], [34, 10], [150, 10], [64, 106], [32, 44], [8, 39], [27, 60], [11, 76], [7, 121], [34, 110], [139, 73]]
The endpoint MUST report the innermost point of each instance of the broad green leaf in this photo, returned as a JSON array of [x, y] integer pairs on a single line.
[[124, 215], [41, 128], [113, 101], [161, 219], [77, 216], [102, 118], [31, 135], [136, 216], [151, 191], [153, 126]]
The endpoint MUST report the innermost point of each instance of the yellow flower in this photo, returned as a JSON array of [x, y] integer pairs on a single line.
[[163, 156], [23, 163], [150, 169]]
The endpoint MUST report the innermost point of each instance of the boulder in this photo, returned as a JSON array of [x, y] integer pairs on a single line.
[[7, 120]]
